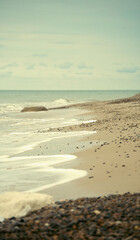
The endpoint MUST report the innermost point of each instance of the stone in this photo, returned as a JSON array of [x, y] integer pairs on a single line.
[[34, 109], [109, 217], [97, 212]]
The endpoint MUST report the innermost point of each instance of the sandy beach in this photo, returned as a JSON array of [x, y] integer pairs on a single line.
[[70, 120], [97, 206], [113, 165]]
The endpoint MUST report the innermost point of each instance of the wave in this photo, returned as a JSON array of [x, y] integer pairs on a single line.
[[20, 142], [51, 159], [39, 172], [9, 108], [69, 175], [17, 204], [60, 103], [19, 133], [17, 107], [89, 121]]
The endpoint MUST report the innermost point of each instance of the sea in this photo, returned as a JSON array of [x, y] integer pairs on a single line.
[[29, 150]]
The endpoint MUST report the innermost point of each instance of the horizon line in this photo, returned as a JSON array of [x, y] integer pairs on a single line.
[[69, 89]]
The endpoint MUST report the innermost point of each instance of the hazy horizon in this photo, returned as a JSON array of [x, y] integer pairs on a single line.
[[78, 90]]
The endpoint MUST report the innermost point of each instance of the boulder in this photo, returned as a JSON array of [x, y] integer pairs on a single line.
[[34, 109]]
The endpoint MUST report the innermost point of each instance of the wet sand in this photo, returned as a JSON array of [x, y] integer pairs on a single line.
[[114, 165]]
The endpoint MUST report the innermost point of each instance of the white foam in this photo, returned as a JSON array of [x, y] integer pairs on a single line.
[[60, 102], [70, 175], [36, 173], [1, 219], [89, 121], [17, 204], [3, 158], [50, 136], [19, 133], [72, 122], [54, 135], [57, 159], [6, 108]]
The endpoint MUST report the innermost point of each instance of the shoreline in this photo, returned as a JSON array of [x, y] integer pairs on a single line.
[[54, 156], [106, 156], [47, 143], [113, 170], [112, 166]]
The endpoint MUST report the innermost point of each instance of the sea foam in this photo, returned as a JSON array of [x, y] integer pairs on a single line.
[[69, 175], [36, 173], [17, 204]]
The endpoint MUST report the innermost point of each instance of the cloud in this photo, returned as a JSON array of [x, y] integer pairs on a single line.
[[30, 67], [64, 65], [40, 55], [84, 66], [9, 65], [2, 46], [128, 70]]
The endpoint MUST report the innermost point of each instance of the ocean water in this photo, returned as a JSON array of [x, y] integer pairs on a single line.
[[22, 169], [25, 97]]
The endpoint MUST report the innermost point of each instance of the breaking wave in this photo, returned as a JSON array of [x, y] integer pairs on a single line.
[[60, 103], [18, 204], [15, 107]]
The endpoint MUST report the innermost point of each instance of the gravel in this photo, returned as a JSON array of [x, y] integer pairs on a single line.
[[111, 217]]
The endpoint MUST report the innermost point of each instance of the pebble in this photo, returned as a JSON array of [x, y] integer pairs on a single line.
[[97, 212], [111, 217]]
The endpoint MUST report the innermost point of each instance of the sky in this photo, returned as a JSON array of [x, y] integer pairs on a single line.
[[69, 44]]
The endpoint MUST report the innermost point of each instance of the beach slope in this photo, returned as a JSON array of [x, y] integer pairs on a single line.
[[113, 164]]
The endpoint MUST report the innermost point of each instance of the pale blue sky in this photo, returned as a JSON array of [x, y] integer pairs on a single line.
[[69, 44]]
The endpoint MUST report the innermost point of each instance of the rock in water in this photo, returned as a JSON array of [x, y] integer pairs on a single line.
[[34, 109]]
